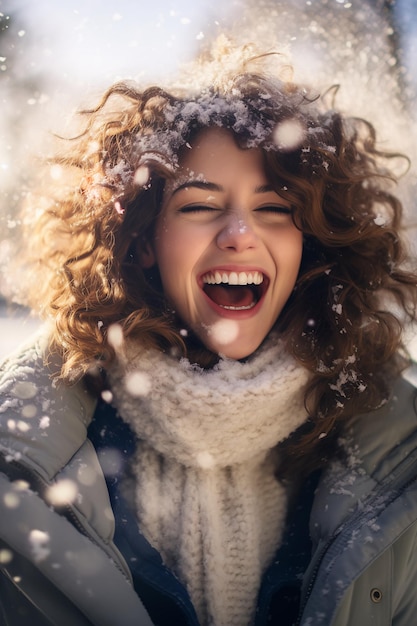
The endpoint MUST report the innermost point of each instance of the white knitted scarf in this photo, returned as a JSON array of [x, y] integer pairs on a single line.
[[206, 494]]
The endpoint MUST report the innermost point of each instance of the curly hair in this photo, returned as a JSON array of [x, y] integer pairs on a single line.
[[344, 319]]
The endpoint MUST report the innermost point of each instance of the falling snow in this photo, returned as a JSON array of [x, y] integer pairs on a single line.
[[224, 331], [25, 390], [107, 395], [380, 220], [141, 176], [6, 556], [61, 493], [39, 545], [115, 336], [44, 422], [138, 383], [289, 135], [205, 460]]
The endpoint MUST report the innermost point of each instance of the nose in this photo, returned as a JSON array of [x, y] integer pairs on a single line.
[[236, 234]]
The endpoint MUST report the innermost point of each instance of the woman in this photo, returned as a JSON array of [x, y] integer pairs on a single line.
[[214, 428]]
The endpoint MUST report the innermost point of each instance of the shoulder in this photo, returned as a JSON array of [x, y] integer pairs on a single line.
[[28, 374], [379, 453], [42, 421], [382, 439], [43, 436]]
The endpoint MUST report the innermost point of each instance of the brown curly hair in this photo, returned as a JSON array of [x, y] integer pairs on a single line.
[[343, 321]]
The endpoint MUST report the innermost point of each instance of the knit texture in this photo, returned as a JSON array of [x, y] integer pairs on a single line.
[[206, 496]]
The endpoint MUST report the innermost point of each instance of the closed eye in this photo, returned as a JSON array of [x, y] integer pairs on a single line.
[[276, 208], [196, 208]]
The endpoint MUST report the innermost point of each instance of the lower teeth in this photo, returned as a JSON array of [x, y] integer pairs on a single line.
[[238, 308]]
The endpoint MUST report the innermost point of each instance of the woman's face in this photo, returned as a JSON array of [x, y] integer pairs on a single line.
[[226, 247]]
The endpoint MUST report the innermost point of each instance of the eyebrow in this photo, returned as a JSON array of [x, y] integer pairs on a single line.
[[264, 188], [199, 184]]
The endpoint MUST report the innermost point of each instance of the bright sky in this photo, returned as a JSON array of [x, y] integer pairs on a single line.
[[103, 40], [91, 42], [84, 45]]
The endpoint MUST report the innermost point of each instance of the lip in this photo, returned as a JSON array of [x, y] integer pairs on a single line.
[[235, 314]]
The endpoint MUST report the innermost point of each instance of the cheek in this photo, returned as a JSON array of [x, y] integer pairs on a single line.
[[174, 251], [166, 244], [297, 256], [290, 253], [178, 244]]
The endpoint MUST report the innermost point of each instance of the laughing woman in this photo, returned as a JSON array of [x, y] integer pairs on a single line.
[[215, 426]]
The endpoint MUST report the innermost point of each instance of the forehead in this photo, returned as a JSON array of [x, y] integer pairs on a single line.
[[216, 151], [213, 161]]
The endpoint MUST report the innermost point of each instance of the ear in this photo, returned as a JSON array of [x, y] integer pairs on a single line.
[[146, 255]]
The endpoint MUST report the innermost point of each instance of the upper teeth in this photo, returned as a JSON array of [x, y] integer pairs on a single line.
[[233, 278]]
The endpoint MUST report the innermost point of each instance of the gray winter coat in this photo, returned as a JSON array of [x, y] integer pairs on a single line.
[[363, 570]]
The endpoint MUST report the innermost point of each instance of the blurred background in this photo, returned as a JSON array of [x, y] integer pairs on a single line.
[[58, 56]]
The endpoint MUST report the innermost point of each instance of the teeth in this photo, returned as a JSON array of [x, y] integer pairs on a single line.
[[233, 278], [238, 308]]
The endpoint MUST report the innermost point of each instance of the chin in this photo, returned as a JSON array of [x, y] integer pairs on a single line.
[[224, 339], [227, 338], [235, 351], [237, 355]]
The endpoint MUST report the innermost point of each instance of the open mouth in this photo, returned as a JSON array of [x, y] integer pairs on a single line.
[[235, 291]]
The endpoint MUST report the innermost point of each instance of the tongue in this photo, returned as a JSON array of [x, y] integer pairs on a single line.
[[232, 295]]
